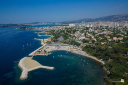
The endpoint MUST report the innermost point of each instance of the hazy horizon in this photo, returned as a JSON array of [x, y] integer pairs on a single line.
[[28, 11]]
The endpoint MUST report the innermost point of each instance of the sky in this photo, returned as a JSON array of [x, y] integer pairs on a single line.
[[28, 11]]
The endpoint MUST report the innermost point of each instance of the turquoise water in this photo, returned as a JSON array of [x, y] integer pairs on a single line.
[[43, 33], [44, 37], [70, 68]]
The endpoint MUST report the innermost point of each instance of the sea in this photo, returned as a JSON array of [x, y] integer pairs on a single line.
[[70, 68]]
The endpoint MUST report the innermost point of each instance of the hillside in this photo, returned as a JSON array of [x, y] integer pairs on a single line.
[[121, 17], [115, 18]]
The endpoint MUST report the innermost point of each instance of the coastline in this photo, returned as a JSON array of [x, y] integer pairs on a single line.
[[48, 48], [94, 58], [66, 47]]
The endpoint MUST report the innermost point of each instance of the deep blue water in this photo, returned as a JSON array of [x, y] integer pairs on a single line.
[[70, 68]]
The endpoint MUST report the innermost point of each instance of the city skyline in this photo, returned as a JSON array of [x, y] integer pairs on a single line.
[[21, 11]]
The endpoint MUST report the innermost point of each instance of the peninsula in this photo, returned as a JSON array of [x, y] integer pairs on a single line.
[[27, 64]]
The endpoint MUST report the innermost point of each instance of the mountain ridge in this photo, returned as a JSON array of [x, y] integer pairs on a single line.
[[113, 18]]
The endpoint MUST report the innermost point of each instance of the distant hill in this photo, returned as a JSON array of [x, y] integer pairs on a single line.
[[121, 17], [115, 18], [13, 25]]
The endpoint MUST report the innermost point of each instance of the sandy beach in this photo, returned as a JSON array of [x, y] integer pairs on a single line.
[[27, 64], [66, 47]]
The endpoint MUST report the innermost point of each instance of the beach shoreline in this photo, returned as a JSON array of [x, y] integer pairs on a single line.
[[45, 49], [67, 47]]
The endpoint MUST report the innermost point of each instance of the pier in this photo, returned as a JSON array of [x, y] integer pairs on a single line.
[[44, 35], [42, 40], [34, 52], [40, 32]]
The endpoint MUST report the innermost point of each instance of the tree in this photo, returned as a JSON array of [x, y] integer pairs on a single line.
[[85, 41], [85, 34], [74, 43], [93, 41]]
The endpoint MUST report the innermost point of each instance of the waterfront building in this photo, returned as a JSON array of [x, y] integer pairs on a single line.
[[72, 25]]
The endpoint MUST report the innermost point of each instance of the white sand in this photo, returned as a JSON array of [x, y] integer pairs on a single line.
[[70, 48], [27, 64]]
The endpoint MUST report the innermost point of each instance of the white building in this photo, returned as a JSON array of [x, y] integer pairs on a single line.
[[72, 25], [83, 37], [90, 30]]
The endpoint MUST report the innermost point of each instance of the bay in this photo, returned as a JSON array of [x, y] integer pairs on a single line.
[[70, 68]]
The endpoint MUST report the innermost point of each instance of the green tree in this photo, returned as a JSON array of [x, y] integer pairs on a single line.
[[85, 41]]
